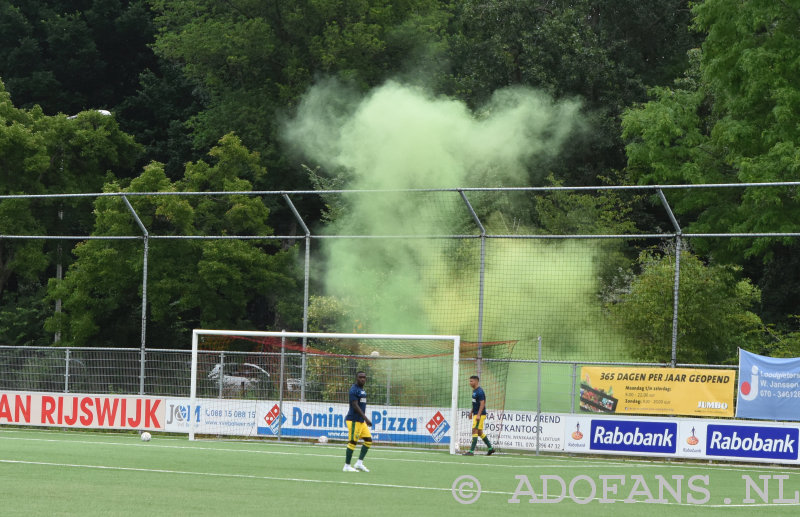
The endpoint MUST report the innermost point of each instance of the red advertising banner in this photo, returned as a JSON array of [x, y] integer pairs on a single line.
[[79, 410]]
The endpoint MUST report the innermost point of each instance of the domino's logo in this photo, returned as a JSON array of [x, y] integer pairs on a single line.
[[437, 427], [274, 419]]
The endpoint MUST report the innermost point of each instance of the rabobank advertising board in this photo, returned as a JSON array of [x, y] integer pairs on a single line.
[[684, 438]]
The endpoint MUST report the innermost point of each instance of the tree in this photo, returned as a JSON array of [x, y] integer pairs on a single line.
[[714, 315], [40, 154], [603, 52], [731, 119], [72, 56], [226, 283], [253, 60]]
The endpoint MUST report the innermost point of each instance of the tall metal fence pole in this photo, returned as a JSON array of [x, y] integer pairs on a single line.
[[482, 279], [144, 315], [677, 227], [280, 389], [306, 278], [146, 240], [675, 289]]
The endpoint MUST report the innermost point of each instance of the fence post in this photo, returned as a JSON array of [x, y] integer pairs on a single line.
[[482, 279], [675, 289], [388, 381], [572, 391], [221, 373], [280, 390], [306, 276], [538, 394], [66, 370], [144, 315], [146, 240], [677, 227]]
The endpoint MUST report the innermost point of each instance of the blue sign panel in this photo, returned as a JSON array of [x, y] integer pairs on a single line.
[[634, 436], [779, 443], [769, 387]]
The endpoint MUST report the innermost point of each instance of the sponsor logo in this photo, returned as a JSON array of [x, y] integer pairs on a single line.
[[178, 415], [710, 404], [437, 427], [274, 419], [752, 442], [749, 390], [633, 436]]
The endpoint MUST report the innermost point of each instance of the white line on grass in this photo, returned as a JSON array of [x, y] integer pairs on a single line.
[[352, 483], [568, 463], [239, 476]]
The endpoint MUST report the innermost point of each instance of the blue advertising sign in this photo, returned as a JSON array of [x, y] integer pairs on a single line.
[[634, 436], [776, 443], [769, 387]]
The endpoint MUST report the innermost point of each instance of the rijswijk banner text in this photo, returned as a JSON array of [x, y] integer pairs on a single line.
[[657, 391]]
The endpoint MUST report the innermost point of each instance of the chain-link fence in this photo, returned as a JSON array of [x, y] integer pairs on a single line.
[[530, 385], [486, 264]]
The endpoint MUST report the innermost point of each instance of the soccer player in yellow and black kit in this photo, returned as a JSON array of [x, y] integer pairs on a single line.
[[478, 415], [357, 424]]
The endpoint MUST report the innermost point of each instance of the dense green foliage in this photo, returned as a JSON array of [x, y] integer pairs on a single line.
[[191, 283], [732, 118], [667, 92]]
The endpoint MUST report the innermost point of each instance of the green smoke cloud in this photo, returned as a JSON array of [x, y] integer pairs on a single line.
[[400, 137], [404, 137]]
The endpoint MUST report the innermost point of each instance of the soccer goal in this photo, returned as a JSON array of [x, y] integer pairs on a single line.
[[295, 385]]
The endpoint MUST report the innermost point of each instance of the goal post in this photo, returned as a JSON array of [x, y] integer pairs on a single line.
[[410, 377]]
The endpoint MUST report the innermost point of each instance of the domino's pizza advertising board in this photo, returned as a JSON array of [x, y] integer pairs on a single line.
[[389, 423], [304, 420], [769, 387]]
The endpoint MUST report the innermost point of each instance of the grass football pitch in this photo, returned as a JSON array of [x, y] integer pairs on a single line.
[[58, 472]]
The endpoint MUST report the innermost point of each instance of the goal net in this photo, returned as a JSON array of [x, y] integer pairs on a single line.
[[295, 385]]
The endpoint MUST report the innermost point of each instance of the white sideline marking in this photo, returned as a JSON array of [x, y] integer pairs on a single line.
[[241, 476], [568, 463], [334, 482]]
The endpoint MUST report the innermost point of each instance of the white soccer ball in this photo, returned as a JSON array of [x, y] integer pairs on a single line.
[[375, 353], [323, 439], [146, 436]]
